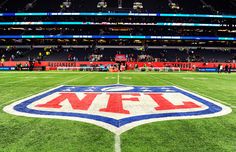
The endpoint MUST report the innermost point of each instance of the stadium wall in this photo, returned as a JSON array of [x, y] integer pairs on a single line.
[[184, 66]]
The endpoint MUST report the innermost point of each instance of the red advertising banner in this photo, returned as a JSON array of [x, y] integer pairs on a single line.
[[186, 66], [120, 57]]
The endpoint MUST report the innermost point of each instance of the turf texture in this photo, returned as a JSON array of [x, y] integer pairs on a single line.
[[47, 135]]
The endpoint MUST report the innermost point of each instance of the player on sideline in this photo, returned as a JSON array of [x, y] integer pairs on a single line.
[[230, 68]]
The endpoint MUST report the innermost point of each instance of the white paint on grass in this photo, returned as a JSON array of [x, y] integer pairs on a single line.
[[42, 90], [188, 78], [12, 82], [191, 78], [220, 101], [118, 78], [126, 78], [117, 143], [203, 78], [110, 78], [117, 88], [37, 77], [64, 83]]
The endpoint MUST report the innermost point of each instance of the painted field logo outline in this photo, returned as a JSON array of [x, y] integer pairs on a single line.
[[98, 105]]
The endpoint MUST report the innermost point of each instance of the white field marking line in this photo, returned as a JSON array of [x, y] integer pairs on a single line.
[[16, 81], [110, 78], [126, 78], [73, 79], [117, 137], [117, 143], [232, 106], [7, 76], [45, 89], [118, 78]]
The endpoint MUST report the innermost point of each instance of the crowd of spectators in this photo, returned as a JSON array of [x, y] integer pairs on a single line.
[[151, 55]]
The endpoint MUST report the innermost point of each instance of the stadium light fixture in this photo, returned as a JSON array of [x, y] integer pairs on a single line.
[[173, 5], [66, 4], [120, 4], [137, 5], [102, 4]]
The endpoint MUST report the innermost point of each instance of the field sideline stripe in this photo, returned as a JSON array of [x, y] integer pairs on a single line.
[[58, 84], [232, 106]]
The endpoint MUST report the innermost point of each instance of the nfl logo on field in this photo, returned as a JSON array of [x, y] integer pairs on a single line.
[[117, 108]]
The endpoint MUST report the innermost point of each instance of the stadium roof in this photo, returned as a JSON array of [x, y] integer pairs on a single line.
[[196, 6]]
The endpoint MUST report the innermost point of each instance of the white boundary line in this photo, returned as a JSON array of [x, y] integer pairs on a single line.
[[232, 106]]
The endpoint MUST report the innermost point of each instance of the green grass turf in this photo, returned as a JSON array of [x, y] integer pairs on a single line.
[[33, 134]]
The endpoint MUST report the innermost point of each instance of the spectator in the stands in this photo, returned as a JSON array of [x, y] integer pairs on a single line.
[[19, 53], [41, 55], [12, 58], [2, 61]]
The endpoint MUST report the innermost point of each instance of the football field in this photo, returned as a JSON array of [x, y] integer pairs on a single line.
[[26, 134]]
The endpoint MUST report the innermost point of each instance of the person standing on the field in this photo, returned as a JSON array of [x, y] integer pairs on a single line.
[[218, 68], [221, 68], [230, 68], [226, 68]]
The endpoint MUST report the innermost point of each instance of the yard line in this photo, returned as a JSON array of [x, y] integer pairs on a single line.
[[195, 92], [117, 143], [7, 76], [45, 89], [16, 81], [73, 79], [117, 137], [118, 78]]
